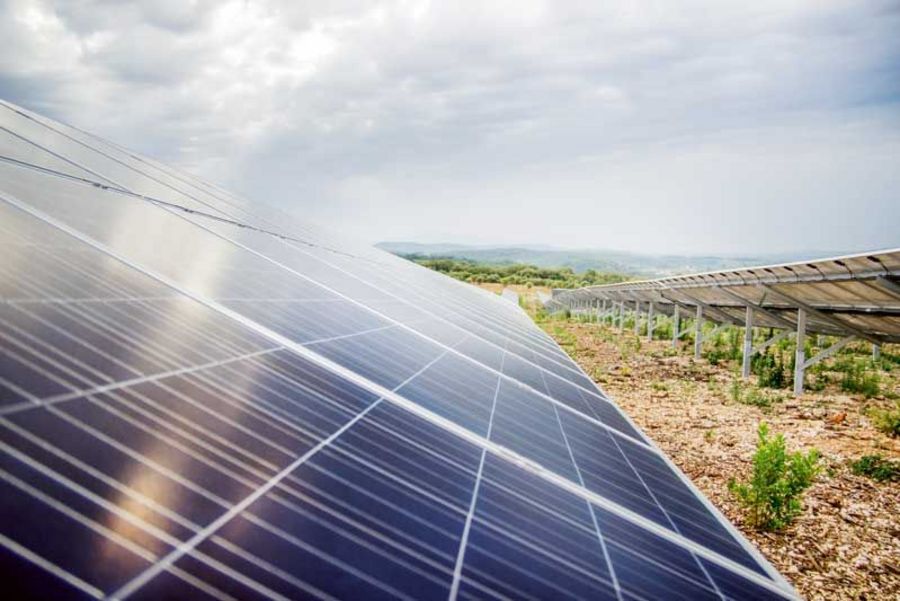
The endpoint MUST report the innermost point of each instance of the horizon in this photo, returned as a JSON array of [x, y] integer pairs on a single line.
[[811, 253]]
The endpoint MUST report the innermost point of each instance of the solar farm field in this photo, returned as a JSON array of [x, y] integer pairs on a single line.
[[844, 543]]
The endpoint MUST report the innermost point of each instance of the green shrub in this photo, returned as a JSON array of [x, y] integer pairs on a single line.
[[770, 368], [736, 390], [750, 395], [757, 398], [772, 495], [725, 346], [663, 330], [877, 468], [860, 380], [887, 420]]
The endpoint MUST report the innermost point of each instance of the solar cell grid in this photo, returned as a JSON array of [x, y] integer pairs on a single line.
[[217, 411]]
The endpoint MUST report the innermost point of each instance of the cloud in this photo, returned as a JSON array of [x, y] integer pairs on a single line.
[[545, 122]]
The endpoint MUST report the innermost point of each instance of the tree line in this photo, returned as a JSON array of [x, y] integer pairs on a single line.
[[515, 273]]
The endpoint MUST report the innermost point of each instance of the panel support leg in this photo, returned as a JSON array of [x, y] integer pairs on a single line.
[[748, 343], [698, 332], [676, 324], [637, 317], [876, 352], [800, 355], [621, 316], [651, 321]]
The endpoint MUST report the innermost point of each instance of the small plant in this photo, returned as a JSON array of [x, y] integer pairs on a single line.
[[772, 496], [877, 468], [736, 390], [751, 395], [709, 436], [663, 330], [770, 367], [861, 380], [887, 420], [757, 398], [725, 346]]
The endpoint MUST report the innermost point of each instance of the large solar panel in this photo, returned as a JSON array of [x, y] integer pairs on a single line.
[[202, 397]]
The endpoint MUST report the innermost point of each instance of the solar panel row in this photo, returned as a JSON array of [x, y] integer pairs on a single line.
[[848, 295], [199, 396]]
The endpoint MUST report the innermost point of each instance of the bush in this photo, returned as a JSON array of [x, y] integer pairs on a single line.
[[751, 395], [860, 380], [772, 495], [887, 420], [877, 468], [770, 367], [725, 346], [663, 330]]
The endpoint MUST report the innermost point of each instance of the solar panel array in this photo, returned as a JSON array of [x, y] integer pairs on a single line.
[[848, 295], [202, 397]]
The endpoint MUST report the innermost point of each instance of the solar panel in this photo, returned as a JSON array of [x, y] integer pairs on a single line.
[[849, 295], [200, 396]]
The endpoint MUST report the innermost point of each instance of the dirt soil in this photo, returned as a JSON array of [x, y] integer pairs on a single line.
[[846, 544]]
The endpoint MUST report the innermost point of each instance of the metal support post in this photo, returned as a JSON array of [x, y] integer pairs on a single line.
[[651, 321], [698, 332], [676, 324], [876, 352], [637, 317], [622, 316], [799, 356], [748, 343]]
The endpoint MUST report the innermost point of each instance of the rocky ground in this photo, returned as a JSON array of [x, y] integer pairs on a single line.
[[846, 544]]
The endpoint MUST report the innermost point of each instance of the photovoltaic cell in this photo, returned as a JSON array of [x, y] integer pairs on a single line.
[[202, 397]]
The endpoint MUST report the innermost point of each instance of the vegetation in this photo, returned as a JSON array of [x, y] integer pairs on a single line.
[[771, 367], [565, 339], [747, 394], [515, 273], [887, 420], [860, 379], [877, 468], [709, 415], [772, 496], [724, 346], [752, 395]]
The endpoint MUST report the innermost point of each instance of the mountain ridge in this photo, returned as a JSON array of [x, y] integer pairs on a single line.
[[581, 260]]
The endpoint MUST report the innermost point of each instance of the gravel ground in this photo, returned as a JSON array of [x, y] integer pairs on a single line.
[[846, 544]]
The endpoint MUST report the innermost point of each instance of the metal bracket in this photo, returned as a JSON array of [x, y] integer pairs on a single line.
[[764, 345], [829, 351]]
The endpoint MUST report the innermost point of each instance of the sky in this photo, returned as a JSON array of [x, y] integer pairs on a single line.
[[659, 127]]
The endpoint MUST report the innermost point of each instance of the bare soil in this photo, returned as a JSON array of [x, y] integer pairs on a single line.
[[846, 544]]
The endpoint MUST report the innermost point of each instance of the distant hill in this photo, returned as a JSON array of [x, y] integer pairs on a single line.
[[610, 261]]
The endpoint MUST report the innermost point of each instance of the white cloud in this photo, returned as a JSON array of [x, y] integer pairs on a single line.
[[522, 121]]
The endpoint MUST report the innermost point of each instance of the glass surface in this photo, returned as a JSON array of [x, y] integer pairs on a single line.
[[150, 384]]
